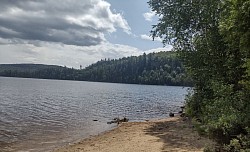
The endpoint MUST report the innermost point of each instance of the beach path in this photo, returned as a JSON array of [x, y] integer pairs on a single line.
[[165, 135]]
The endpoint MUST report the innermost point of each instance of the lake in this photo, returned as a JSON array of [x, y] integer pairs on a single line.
[[39, 115]]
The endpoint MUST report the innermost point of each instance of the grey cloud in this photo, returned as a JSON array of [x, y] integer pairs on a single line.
[[64, 32], [52, 7], [72, 22]]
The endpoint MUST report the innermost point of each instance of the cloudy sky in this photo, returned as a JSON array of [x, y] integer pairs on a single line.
[[74, 32]]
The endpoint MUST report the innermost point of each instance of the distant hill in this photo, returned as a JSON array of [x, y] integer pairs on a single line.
[[25, 67], [37, 71], [162, 68]]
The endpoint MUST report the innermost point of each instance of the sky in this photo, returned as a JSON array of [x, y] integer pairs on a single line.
[[75, 32]]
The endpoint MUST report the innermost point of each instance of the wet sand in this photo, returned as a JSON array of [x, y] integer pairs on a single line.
[[164, 135]]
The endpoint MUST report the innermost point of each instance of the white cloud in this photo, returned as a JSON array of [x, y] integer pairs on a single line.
[[68, 55], [60, 54], [149, 16], [72, 22], [166, 48], [146, 37]]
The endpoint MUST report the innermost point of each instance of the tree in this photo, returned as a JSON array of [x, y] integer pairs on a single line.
[[212, 38]]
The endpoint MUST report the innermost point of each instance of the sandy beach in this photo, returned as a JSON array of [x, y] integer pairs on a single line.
[[164, 135]]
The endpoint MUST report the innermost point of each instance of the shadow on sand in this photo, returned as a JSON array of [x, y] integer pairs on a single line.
[[177, 135]]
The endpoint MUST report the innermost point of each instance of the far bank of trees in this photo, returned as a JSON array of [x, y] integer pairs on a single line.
[[162, 68]]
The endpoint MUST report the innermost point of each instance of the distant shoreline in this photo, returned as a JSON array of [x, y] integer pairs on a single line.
[[169, 134], [95, 81], [162, 68]]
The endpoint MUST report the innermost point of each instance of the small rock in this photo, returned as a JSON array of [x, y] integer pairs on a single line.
[[118, 120], [171, 114], [95, 120]]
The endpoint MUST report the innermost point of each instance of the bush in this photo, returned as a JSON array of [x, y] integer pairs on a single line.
[[239, 144]]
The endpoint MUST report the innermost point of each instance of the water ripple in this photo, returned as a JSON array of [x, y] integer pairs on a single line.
[[43, 113]]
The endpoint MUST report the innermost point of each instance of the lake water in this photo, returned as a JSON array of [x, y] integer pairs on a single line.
[[39, 115]]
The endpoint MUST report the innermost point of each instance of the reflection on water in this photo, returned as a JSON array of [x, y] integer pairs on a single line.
[[39, 115]]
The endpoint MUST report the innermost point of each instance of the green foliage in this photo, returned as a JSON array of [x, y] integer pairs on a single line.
[[239, 144], [200, 128], [235, 24], [162, 68], [213, 40]]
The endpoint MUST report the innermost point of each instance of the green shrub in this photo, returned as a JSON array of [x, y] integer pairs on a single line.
[[239, 144]]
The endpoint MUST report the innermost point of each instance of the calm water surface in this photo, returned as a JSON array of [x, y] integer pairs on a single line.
[[39, 115]]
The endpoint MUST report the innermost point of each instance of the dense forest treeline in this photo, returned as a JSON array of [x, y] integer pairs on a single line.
[[162, 68], [38, 71], [213, 41]]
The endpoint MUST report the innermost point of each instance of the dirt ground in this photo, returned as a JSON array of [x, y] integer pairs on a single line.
[[165, 135]]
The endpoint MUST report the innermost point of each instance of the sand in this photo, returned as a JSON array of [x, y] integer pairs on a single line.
[[165, 135]]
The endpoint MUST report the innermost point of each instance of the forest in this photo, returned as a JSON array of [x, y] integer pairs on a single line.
[[37, 71], [162, 68], [212, 39]]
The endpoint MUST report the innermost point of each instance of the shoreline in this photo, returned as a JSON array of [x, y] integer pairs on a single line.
[[158, 135]]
